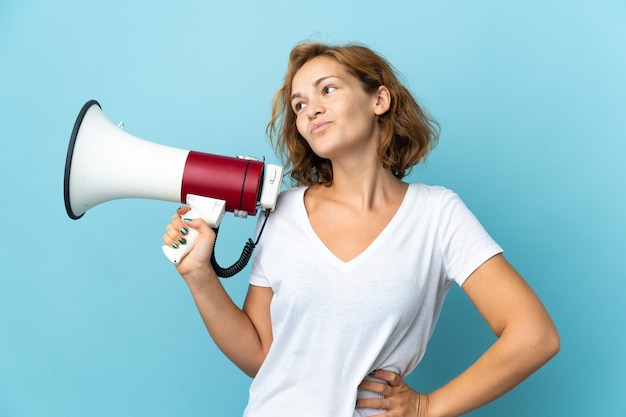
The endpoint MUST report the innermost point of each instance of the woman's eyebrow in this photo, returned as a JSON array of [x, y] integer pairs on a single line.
[[315, 84]]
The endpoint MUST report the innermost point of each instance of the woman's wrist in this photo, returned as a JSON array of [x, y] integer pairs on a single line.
[[198, 279], [423, 406], [434, 406]]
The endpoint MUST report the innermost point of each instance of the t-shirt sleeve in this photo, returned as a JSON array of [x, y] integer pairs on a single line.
[[464, 242], [257, 278]]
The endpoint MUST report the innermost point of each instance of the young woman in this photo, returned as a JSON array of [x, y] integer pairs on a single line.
[[353, 266]]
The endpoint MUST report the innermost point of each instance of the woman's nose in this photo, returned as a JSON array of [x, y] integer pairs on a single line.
[[314, 109]]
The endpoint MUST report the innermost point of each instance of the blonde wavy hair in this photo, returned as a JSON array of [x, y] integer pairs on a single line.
[[408, 133]]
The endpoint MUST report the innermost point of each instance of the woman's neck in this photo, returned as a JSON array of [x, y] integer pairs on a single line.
[[364, 187]]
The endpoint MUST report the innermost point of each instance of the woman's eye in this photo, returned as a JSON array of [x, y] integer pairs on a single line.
[[298, 106], [329, 89]]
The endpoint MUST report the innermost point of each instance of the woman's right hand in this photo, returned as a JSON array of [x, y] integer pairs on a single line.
[[195, 267]]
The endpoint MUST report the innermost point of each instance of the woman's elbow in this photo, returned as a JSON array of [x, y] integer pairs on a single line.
[[250, 370], [552, 343], [545, 343]]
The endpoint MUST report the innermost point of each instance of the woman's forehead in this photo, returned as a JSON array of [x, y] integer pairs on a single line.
[[316, 69]]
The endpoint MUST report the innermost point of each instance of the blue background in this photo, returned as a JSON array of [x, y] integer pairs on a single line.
[[531, 99]]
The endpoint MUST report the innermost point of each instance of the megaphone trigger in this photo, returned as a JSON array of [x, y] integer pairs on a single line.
[[211, 210]]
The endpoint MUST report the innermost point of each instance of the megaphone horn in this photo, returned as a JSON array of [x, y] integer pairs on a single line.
[[105, 163]]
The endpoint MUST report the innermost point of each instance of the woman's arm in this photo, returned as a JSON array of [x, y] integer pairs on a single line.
[[244, 335], [527, 339]]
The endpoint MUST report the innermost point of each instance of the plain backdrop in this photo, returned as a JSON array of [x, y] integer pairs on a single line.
[[530, 96]]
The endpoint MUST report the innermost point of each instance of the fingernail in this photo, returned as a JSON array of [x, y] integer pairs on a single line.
[[372, 373], [184, 231], [175, 245], [187, 220], [182, 240]]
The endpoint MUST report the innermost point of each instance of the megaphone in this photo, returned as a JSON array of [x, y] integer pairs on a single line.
[[105, 163]]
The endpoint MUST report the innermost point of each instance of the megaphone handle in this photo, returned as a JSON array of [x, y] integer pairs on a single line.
[[209, 209], [175, 255]]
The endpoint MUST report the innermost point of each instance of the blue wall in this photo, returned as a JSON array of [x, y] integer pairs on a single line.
[[531, 99]]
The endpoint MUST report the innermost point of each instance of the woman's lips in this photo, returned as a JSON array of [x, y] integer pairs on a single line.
[[318, 127]]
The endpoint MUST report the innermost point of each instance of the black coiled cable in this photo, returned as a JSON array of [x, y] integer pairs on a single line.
[[243, 260]]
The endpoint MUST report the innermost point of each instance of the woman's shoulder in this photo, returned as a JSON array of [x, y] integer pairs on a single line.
[[290, 198], [290, 194], [421, 190], [433, 197]]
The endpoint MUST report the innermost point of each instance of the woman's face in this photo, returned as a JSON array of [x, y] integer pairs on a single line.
[[334, 114]]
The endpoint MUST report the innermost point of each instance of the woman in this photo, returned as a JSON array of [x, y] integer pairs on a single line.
[[350, 275]]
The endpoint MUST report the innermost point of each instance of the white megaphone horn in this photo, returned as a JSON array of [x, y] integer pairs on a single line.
[[105, 163]]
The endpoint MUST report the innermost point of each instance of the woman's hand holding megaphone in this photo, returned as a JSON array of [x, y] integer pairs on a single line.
[[196, 233], [211, 210], [182, 235]]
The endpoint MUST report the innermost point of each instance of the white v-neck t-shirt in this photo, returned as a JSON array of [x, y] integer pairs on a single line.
[[334, 322]]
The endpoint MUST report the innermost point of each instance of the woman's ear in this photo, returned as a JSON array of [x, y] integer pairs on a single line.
[[383, 100]]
